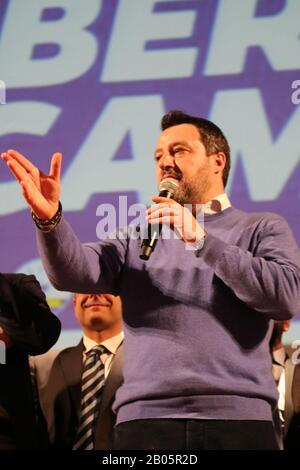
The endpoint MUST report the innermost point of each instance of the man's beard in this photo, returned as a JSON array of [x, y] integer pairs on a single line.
[[194, 190]]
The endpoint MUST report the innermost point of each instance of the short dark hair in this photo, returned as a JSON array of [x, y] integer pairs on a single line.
[[211, 135]]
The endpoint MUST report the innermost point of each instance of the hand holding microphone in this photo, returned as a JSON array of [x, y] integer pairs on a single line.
[[167, 189], [179, 218]]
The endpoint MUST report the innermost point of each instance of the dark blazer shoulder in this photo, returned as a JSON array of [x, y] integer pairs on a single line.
[[25, 315]]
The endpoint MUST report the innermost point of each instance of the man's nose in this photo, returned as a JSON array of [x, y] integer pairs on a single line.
[[95, 296], [166, 160]]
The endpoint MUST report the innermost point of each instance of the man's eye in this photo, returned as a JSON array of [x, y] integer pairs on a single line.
[[178, 149]]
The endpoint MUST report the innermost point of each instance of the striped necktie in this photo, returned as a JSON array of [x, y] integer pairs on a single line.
[[91, 390]]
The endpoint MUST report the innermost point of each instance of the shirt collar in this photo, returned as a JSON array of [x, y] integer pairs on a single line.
[[111, 344], [217, 204]]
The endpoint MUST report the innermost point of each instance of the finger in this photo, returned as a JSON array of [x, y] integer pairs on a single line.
[[17, 170], [161, 214], [159, 199], [55, 166], [5, 156], [165, 219], [166, 210], [156, 207], [24, 162]]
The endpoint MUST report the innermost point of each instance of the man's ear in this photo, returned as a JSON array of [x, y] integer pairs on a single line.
[[220, 161]]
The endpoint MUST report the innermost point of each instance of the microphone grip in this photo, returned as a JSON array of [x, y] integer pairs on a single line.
[[166, 193], [153, 232], [149, 243]]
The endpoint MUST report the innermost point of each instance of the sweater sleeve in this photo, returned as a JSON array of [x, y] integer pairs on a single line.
[[76, 267], [265, 275]]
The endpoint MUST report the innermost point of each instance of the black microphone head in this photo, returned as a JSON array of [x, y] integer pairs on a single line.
[[168, 187]]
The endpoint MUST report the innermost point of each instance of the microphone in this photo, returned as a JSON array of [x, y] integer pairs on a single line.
[[167, 188]]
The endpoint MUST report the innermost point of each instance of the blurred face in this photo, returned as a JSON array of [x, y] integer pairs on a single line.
[[98, 312], [180, 154]]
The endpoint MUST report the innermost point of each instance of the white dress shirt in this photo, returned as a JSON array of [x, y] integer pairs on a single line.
[[279, 356], [111, 344], [217, 204]]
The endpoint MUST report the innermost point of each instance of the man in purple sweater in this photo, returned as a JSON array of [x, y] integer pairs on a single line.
[[197, 320]]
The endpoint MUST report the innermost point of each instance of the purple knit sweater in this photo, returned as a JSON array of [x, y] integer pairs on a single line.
[[196, 328]]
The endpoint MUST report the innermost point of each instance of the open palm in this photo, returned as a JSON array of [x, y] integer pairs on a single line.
[[41, 191]]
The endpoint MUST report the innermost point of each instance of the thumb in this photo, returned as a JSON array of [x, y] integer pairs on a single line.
[[55, 166]]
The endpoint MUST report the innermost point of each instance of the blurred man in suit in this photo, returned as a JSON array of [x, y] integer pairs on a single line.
[[27, 326], [286, 372], [60, 377]]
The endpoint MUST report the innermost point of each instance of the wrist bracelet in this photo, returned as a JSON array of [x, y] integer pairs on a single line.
[[48, 224]]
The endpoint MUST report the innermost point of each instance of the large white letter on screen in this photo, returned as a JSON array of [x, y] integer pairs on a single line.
[[268, 162], [27, 117], [135, 24], [236, 29], [22, 30], [2, 92], [95, 171]]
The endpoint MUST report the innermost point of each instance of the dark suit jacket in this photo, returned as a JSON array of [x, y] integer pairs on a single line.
[[59, 385], [26, 318], [292, 402]]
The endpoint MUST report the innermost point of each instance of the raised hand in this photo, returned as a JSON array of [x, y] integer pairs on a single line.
[[41, 191], [167, 211]]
